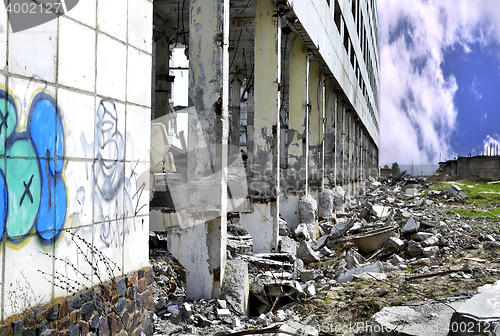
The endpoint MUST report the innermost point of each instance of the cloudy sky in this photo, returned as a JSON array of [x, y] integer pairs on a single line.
[[439, 78]]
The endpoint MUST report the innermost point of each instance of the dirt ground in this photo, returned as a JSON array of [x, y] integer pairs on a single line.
[[357, 301]]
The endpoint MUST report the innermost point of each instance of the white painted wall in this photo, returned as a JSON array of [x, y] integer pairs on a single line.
[[95, 64]]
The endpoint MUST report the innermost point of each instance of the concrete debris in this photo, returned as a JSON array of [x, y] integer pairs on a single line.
[[347, 276], [302, 232], [422, 320], [326, 202], [308, 208], [481, 313], [306, 253], [262, 291], [410, 226]]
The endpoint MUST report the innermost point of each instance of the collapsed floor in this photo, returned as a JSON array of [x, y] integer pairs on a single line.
[[402, 244]]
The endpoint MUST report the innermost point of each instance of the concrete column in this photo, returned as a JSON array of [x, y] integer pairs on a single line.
[[234, 127], [340, 142], [298, 115], [316, 126], [250, 130], [295, 181], [199, 240], [329, 142], [262, 224]]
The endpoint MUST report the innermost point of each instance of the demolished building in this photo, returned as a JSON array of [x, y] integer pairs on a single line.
[[282, 103]]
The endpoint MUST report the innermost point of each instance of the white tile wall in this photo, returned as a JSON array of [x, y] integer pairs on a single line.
[[138, 73], [136, 244], [23, 91], [79, 175], [32, 52], [78, 112], [3, 37], [111, 67], [98, 218], [108, 238], [138, 145], [84, 12], [139, 32], [136, 189], [72, 261], [25, 285], [109, 142], [112, 18], [76, 55]]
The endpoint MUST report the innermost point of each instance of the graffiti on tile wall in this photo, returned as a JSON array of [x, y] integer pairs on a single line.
[[112, 185], [33, 193]]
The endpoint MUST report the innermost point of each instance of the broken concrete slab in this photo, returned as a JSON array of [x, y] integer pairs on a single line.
[[347, 276], [419, 320], [478, 315]]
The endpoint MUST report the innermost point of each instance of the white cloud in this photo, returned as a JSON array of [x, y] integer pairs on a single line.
[[418, 112]]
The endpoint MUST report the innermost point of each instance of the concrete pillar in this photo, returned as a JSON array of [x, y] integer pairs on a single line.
[[250, 129], [330, 127], [316, 126], [199, 242], [339, 166], [234, 126], [262, 223], [298, 116], [295, 180]]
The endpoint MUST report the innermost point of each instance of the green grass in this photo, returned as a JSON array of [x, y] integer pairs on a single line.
[[483, 197]]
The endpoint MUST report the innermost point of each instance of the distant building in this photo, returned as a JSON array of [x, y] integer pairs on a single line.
[[482, 167]]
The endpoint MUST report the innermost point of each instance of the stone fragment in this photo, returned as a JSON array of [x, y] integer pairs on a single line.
[[348, 275], [421, 236], [283, 227], [326, 200], [397, 260], [432, 241], [430, 251], [414, 248], [235, 286], [308, 275], [297, 329], [410, 226], [309, 289], [302, 232], [288, 246], [307, 209], [306, 253], [339, 198]]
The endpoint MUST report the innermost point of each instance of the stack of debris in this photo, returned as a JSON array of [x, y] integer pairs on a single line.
[[395, 231]]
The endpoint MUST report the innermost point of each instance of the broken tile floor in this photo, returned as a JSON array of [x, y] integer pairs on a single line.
[[391, 261]]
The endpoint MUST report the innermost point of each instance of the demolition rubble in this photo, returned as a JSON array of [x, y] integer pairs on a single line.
[[395, 259]]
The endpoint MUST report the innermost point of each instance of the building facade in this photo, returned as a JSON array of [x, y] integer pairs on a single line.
[[281, 101]]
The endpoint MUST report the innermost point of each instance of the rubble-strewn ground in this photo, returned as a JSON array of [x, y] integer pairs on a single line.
[[444, 245]]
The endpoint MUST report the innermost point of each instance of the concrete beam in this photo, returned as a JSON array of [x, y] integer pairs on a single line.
[[262, 224], [200, 244]]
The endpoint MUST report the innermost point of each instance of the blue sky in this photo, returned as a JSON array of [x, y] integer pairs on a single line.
[[440, 78]]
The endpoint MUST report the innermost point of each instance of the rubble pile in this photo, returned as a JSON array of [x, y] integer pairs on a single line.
[[394, 232]]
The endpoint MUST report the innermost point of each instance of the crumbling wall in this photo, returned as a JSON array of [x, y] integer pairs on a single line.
[[74, 109]]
